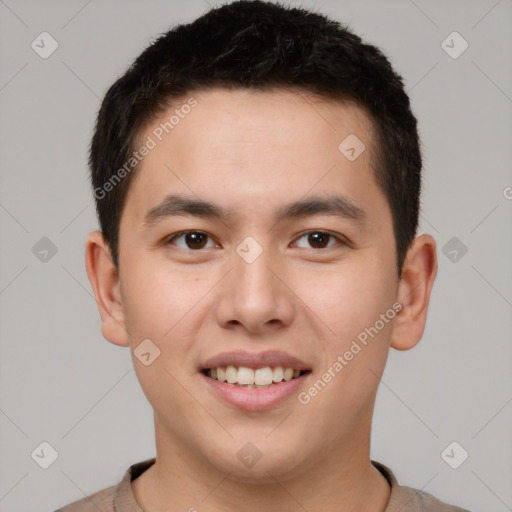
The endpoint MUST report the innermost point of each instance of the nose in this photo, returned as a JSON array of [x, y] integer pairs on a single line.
[[255, 296]]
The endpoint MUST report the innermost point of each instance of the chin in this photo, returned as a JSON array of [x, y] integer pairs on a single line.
[[260, 463]]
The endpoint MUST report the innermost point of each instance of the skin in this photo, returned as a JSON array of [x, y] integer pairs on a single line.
[[252, 152]]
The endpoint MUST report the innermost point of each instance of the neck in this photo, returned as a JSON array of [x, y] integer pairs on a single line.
[[344, 480]]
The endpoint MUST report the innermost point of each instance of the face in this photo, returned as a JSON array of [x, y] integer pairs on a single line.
[[251, 280]]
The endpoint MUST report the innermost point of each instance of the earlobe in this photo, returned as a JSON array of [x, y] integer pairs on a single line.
[[105, 283], [418, 275]]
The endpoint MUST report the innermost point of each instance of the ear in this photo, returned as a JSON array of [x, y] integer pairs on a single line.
[[418, 274], [105, 283]]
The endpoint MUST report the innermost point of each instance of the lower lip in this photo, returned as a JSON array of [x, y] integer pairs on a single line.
[[255, 399]]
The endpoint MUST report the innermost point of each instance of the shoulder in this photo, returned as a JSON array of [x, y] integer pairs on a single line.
[[407, 499], [115, 498], [426, 502], [102, 500]]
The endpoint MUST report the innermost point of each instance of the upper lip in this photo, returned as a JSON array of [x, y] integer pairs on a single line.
[[255, 360]]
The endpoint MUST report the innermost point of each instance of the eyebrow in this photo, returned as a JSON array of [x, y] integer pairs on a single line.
[[177, 205]]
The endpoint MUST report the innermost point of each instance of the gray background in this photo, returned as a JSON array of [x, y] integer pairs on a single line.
[[62, 383]]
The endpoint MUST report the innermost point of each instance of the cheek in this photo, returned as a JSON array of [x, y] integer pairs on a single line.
[[155, 298], [346, 298], [355, 349], [168, 307], [159, 307]]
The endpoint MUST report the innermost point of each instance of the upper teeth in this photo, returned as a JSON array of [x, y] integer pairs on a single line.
[[247, 376]]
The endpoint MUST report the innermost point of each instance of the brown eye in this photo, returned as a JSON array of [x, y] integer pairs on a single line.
[[319, 239], [192, 240]]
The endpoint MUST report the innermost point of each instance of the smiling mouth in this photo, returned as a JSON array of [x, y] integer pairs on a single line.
[[249, 378]]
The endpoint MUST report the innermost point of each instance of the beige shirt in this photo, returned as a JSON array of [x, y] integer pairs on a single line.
[[120, 498]]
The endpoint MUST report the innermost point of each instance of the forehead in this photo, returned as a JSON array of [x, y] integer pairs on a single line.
[[254, 145], [277, 117]]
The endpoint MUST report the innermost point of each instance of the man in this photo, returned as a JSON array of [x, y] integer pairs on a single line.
[[257, 175]]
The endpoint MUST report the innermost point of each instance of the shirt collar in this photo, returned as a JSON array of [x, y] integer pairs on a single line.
[[401, 498]]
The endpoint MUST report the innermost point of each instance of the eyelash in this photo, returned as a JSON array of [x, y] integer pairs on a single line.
[[302, 235]]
